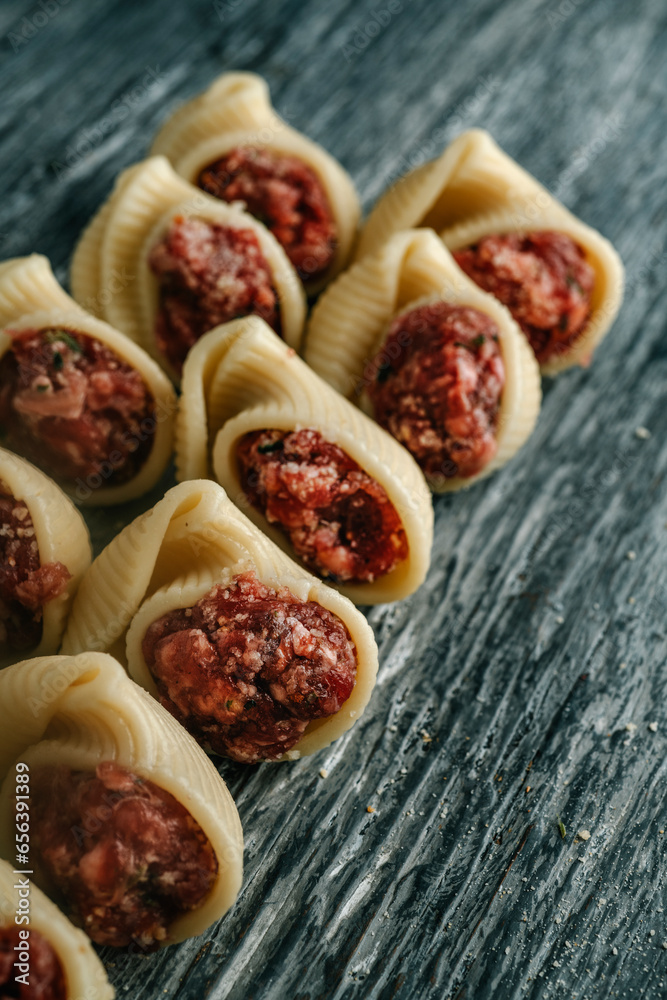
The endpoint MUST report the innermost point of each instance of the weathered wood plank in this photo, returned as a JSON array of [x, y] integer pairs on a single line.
[[536, 639]]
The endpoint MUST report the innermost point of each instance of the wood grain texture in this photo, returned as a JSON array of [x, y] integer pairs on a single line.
[[507, 683]]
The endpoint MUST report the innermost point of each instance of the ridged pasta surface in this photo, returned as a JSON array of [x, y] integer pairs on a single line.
[[27, 284]]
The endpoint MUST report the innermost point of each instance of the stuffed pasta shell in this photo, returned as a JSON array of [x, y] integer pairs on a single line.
[[313, 472], [77, 398], [437, 362], [41, 953], [230, 142], [255, 657], [561, 280], [132, 829], [44, 552], [191, 262]]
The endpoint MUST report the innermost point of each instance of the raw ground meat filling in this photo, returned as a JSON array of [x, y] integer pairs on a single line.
[[436, 386], [247, 668], [208, 274], [544, 280], [339, 520], [69, 404], [284, 194], [126, 856], [25, 586], [46, 980]]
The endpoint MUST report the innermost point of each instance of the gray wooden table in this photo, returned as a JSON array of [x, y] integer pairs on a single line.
[[522, 682]]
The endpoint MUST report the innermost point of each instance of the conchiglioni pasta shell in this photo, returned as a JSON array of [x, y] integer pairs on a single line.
[[240, 378], [61, 535], [77, 711], [119, 240], [473, 176], [607, 294], [351, 320], [27, 284], [85, 976], [474, 189], [153, 377], [175, 553], [236, 111], [234, 101]]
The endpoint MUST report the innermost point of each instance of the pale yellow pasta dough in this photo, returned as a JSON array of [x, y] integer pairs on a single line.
[[28, 285], [77, 711]]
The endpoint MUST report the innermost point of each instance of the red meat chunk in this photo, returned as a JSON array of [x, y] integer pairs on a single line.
[[208, 274], [247, 668], [46, 980], [69, 404], [25, 585], [286, 195], [544, 280], [126, 856], [339, 520], [436, 386]]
